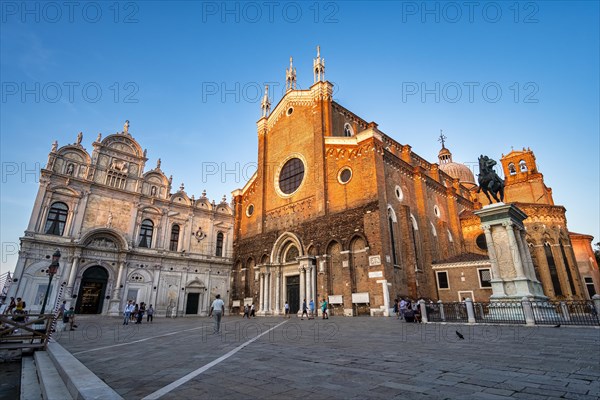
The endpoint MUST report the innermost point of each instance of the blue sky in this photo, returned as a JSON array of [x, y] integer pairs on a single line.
[[187, 75]]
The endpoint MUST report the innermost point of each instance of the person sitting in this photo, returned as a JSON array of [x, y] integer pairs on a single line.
[[409, 314]]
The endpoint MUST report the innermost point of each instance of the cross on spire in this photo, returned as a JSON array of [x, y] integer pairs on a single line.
[[442, 139]]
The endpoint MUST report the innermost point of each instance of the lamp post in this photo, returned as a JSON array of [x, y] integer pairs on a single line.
[[52, 269]]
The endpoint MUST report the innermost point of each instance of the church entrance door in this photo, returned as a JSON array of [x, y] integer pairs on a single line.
[[191, 306], [292, 284], [91, 291]]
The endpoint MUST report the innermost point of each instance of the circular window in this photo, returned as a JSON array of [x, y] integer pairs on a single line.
[[436, 211], [399, 193], [290, 111], [345, 175], [250, 210], [291, 176], [481, 242]]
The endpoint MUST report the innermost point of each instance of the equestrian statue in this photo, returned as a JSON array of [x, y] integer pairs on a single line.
[[489, 181]]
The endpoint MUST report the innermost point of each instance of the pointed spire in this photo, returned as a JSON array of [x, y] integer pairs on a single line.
[[265, 105], [319, 67], [290, 77], [442, 139]]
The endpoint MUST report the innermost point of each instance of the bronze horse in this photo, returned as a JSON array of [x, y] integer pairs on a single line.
[[489, 181]]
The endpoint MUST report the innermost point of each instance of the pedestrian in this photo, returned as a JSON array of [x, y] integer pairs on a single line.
[[311, 307], [286, 306], [218, 309], [135, 311], [324, 309], [69, 317], [62, 309], [140, 313], [150, 313], [402, 307], [396, 308], [304, 310], [129, 307], [252, 311], [246, 312], [11, 306]]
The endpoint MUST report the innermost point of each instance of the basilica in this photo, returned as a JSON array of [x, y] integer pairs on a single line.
[[337, 210]]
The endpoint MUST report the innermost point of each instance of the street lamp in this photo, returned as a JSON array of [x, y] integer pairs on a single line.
[[52, 269]]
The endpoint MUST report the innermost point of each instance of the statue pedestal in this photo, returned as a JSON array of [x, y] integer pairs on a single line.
[[513, 274]]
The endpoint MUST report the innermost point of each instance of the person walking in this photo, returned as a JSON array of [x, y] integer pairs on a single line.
[[403, 304], [304, 310], [61, 310], [127, 312], [218, 309], [140, 313], [311, 307], [150, 313], [324, 309], [246, 312], [252, 311], [11, 306], [287, 309]]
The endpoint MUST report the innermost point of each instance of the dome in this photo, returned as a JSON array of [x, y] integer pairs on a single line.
[[459, 171]]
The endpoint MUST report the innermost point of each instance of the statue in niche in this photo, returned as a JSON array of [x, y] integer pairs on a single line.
[[70, 169], [153, 191], [109, 221]]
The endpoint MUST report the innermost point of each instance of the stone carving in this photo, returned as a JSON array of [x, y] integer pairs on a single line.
[[119, 165], [109, 221], [99, 138], [489, 181], [199, 235], [158, 162], [79, 137], [103, 243], [54, 146], [126, 127]]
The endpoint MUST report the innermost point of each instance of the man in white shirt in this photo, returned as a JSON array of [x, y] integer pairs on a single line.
[[127, 312], [217, 309]]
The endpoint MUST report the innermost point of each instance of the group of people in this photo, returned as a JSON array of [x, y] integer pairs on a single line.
[[249, 311], [135, 312], [16, 308], [407, 309], [308, 310]]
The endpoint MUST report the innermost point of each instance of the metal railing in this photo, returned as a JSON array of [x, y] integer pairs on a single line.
[[515, 312], [499, 312], [447, 312], [565, 313]]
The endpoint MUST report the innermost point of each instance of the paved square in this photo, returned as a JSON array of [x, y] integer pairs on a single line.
[[339, 358]]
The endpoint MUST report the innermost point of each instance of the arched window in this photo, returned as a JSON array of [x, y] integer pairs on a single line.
[[146, 233], [523, 166], [57, 218], [174, 238], [391, 222], [511, 169], [219, 249], [348, 130]]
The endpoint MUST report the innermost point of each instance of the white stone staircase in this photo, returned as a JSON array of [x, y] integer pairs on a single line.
[[55, 374]]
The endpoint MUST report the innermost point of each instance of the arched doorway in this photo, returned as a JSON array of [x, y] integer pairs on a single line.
[[92, 290]]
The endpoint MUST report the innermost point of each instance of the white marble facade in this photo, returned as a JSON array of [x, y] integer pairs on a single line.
[[122, 235]]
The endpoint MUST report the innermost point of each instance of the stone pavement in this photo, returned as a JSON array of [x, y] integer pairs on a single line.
[[339, 358]]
